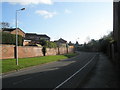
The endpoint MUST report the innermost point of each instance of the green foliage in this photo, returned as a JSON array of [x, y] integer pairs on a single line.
[[8, 38], [48, 44], [105, 41], [51, 44], [43, 42], [20, 40], [44, 50], [98, 45], [70, 55]]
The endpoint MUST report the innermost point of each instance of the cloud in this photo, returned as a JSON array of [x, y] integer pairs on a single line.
[[45, 13], [67, 11], [28, 2]]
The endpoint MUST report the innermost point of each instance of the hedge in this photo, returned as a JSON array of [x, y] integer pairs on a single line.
[[8, 38]]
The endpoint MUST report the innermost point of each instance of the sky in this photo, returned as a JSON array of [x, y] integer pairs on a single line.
[[71, 20]]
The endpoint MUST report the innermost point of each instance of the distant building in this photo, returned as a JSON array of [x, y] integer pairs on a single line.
[[61, 42], [13, 31]]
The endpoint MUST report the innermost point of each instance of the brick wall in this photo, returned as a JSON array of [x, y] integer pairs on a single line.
[[8, 51], [71, 49], [28, 51], [52, 51]]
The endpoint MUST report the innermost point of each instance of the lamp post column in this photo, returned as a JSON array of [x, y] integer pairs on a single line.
[[16, 47]]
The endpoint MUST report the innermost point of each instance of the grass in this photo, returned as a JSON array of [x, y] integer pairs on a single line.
[[10, 64], [70, 55]]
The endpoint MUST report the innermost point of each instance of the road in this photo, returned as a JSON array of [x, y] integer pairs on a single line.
[[67, 73]]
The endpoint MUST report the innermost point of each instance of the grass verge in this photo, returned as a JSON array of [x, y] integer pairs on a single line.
[[10, 64]]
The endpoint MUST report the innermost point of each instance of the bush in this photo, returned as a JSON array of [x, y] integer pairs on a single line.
[[48, 44], [51, 44], [8, 38], [44, 51]]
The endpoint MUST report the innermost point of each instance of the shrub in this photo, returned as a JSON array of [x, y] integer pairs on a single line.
[[8, 38], [48, 44], [44, 51], [51, 44]]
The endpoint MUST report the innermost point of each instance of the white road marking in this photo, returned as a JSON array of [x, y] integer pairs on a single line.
[[74, 74]]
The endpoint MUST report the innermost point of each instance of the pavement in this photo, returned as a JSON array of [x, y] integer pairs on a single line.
[[103, 75]]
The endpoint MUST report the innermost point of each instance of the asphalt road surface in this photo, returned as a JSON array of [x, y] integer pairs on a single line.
[[67, 73]]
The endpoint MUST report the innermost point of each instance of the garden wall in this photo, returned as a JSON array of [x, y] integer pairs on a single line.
[[8, 51]]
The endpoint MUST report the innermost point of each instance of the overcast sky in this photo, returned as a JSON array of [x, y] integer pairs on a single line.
[[71, 20]]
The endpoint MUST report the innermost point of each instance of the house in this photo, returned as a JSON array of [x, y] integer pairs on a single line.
[[61, 42], [13, 31], [36, 37], [43, 36], [33, 38], [26, 42]]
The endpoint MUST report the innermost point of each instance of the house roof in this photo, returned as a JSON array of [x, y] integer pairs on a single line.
[[30, 34], [61, 40], [11, 29], [43, 35], [8, 29], [39, 35]]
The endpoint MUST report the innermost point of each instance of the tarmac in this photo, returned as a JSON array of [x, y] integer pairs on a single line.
[[103, 75]]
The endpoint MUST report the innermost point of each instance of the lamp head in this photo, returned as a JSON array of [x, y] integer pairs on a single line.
[[23, 9]]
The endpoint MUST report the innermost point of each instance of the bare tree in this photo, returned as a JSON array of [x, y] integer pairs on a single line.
[[4, 25]]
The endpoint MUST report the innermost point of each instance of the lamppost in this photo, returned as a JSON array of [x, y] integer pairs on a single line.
[[16, 47]]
